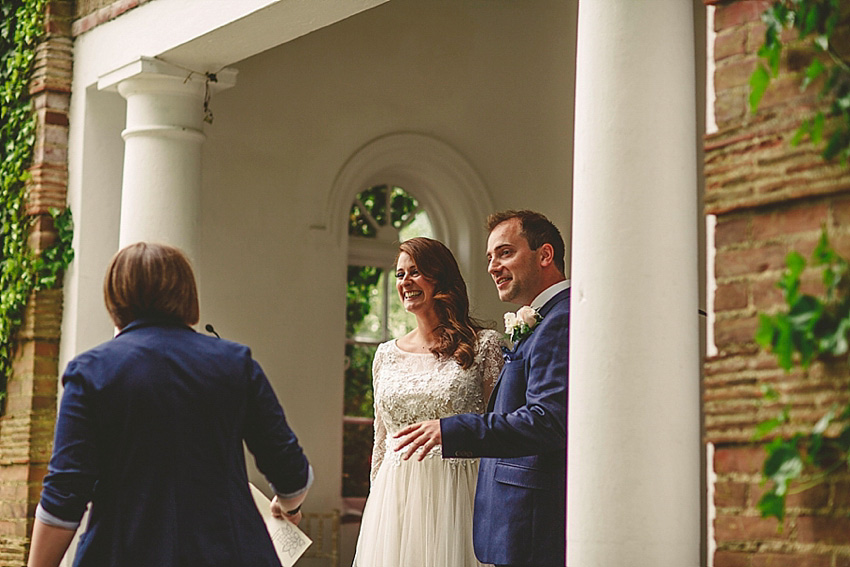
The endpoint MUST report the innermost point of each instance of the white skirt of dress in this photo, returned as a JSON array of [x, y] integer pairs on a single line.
[[419, 514]]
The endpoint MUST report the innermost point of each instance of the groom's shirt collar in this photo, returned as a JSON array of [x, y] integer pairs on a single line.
[[538, 302]]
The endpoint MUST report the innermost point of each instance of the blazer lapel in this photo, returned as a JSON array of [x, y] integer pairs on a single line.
[[509, 354]]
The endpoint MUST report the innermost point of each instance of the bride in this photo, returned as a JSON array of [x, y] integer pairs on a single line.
[[419, 513]]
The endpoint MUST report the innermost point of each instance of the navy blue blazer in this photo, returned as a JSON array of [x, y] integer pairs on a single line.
[[150, 431], [520, 500]]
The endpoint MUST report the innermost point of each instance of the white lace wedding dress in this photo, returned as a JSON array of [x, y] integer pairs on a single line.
[[419, 513]]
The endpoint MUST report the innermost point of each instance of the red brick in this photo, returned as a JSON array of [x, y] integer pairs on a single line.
[[756, 36], [842, 559], [750, 261], [59, 9], [732, 231], [730, 42], [746, 459], [815, 497], [823, 530], [729, 108], [43, 403], [46, 349], [725, 365], [13, 528], [840, 212], [13, 473], [766, 295], [730, 495], [789, 221], [746, 529], [724, 558], [737, 13], [842, 495], [735, 331], [841, 245], [811, 283], [784, 91], [730, 296], [56, 118], [791, 560], [735, 74]]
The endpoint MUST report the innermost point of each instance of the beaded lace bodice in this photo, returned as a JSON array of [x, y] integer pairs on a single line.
[[410, 388]]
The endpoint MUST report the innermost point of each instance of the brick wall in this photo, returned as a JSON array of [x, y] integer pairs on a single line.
[[91, 13], [26, 426], [769, 198]]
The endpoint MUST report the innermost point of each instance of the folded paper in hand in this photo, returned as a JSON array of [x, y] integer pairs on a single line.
[[289, 542]]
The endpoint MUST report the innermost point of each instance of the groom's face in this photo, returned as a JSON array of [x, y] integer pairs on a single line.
[[512, 264]]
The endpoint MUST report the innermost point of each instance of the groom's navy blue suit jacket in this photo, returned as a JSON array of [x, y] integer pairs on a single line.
[[520, 501]]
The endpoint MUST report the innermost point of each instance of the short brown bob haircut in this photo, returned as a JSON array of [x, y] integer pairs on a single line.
[[150, 280]]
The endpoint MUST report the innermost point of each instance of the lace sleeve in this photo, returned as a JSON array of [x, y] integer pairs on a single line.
[[491, 343], [379, 447]]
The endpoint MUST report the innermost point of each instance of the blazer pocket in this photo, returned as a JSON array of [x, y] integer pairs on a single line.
[[522, 476]]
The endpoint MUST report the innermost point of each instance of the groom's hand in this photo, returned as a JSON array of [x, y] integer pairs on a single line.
[[425, 435]]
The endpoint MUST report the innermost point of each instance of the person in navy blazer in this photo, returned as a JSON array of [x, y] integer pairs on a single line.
[[520, 500], [150, 431]]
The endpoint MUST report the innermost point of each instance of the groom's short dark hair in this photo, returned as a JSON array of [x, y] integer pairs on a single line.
[[537, 230]]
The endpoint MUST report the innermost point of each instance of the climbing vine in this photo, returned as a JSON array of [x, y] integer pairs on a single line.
[[820, 22], [22, 272], [812, 328]]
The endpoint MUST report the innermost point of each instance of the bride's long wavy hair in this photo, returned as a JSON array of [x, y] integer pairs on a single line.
[[456, 332]]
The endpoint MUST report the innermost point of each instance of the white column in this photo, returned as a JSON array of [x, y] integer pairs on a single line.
[[160, 194], [634, 436]]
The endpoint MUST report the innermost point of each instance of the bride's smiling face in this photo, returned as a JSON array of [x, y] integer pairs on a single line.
[[415, 291]]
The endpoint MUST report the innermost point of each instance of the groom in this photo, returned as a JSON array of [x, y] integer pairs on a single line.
[[520, 501]]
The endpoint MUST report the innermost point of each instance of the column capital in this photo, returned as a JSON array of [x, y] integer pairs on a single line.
[[161, 187], [151, 67]]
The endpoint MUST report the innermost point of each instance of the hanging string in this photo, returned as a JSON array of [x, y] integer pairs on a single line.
[[208, 78], [208, 115]]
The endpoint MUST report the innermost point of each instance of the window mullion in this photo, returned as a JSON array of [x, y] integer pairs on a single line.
[[366, 213], [385, 308], [410, 218]]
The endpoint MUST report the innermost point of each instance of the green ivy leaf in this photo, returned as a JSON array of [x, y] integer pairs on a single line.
[[835, 145], [843, 438], [801, 132], [835, 342], [769, 392], [772, 505], [783, 464], [783, 343], [823, 423], [811, 20], [759, 81], [766, 427], [816, 130], [766, 332]]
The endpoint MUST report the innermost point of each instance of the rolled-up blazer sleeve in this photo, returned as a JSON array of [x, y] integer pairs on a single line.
[[73, 469]]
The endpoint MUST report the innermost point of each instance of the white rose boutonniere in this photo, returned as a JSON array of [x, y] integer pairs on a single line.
[[519, 325]]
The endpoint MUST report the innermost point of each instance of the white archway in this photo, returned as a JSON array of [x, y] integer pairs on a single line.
[[444, 183]]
